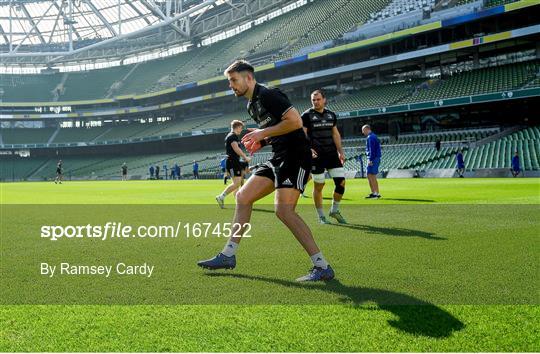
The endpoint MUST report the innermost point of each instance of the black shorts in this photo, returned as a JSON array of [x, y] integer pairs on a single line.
[[58, 171], [325, 162], [234, 167], [287, 173]]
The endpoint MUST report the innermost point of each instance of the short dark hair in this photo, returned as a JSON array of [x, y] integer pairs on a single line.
[[239, 66], [237, 123], [319, 91]]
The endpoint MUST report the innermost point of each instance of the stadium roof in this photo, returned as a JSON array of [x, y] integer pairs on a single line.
[[49, 22], [39, 31]]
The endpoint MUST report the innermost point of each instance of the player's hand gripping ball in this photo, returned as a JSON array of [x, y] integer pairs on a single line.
[[252, 140]]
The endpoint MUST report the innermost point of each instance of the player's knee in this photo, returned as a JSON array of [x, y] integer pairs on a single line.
[[283, 212], [339, 185], [242, 198]]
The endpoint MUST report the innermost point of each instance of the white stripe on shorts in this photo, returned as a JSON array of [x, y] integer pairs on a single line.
[[300, 179]]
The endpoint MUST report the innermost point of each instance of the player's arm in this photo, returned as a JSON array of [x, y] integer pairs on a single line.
[[290, 121], [239, 151], [278, 105], [305, 123], [368, 151], [313, 152], [337, 140]]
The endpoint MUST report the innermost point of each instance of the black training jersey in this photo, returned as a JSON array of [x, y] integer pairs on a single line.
[[59, 167], [266, 108], [124, 169], [319, 127], [229, 139]]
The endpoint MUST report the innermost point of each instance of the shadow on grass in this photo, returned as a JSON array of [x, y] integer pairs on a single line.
[[392, 231], [415, 316], [331, 198], [410, 200], [389, 231]]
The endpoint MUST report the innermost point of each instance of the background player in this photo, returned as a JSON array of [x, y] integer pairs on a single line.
[[245, 171], [516, 168], [195, 170], [285, 173], [59, 173], [233, 164], [320, 127], [223, 166], [373, 154], [460, 163], [124, 171]]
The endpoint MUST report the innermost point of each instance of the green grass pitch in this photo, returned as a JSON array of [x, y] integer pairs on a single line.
[[436, 265]]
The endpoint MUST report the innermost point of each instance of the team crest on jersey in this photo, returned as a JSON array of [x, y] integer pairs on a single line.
[[264, 122]]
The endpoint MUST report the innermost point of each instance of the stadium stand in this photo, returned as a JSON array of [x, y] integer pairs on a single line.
[[491, 3], [126, 131], [71, 135], [488, 3], [398, 7], [328, 21], [376, 96], [107, 167], [506, 77], [310, 24], [19, 168], [279, 38], [466, 135], [153, 75], [27, 135], [25, 88], [313, 23], [92, 84], [417, 150], [410, 151], [498, 154], [296, 32]]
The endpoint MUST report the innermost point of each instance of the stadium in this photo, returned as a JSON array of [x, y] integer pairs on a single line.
[[100, 95]]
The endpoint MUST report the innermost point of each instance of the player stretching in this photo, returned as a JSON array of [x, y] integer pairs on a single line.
[[373, 153], [59, 173], [285, 173], [320, 127], [233, 164]]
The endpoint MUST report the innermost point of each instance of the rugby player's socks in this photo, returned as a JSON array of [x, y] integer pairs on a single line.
[[222, 195], [335, 206], [230, 248], [319, 261], [320, 211]]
